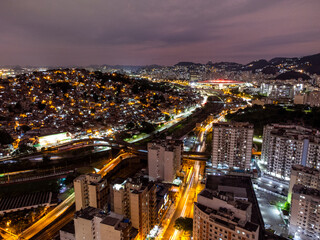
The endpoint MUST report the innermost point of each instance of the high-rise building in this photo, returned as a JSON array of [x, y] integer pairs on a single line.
[[227, 209], [136, 199], [164, 159], [93, 223], [287, 145], [309, 177], [305, 213], [232, 145], [90, 190]]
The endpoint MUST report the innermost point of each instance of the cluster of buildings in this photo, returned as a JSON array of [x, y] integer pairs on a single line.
[[126, 208], [78, 101], [290, 152], [227, 208]]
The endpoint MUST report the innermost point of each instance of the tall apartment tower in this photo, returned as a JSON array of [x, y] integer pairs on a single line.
[[309, 177], [164, 159], [305, 213], [232, 145], [227, 209], [90, 190], [136, 199], [93, 223], [287, 145]]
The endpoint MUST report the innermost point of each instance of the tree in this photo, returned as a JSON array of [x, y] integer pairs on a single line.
[[130, 125], [184, 224], [287, 206], [24, 148], [25, 128], [5, 137], [147, 127], [41, 106]]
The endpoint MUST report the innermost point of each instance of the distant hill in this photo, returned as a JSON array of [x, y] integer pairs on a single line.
[[187, 64], [253, 66], [229, 66], [311, 63], [292, 75], [270, 70], [282, 60]]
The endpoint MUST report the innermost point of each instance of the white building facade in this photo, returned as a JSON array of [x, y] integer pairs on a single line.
[[232, 145], [305, 213], [164, 159], [287, 145]]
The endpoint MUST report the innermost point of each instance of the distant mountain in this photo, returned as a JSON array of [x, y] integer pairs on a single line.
[[253, 66], [292, 75], [270, 70], [229, 66], [187, 64], [282, 60], [311, 63]]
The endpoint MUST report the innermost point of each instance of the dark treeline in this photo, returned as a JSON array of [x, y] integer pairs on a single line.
[[262, 115]]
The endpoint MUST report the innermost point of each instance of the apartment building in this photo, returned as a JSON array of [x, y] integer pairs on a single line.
[[164, 159], [305, 213], [309, 177], [227, 209], [232, 145], [136, 199], [90, 190], [287, 145], [94, 224]]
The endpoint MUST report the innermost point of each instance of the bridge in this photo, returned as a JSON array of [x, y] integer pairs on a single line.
[[196, 156]]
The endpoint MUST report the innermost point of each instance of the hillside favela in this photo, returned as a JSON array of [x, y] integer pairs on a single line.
[[160, 120]]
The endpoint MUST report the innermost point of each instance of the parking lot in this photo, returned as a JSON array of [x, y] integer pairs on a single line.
[[270, 213]]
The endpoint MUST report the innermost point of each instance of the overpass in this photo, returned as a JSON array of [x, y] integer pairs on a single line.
[[196, 156]]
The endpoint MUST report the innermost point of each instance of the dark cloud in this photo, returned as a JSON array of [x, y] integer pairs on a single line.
[[43, 32]]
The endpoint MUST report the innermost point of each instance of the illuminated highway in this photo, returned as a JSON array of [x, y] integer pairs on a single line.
[[188, 195], [112, 164], [48, 219], [53, 230], [66, 204]]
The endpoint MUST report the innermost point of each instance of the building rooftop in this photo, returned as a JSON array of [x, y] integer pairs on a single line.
[[301, 189], [234, 124], [224, 217], [304, 169], [213, 183], [228, 197], [111, 221], [89, 213], [295, 132]]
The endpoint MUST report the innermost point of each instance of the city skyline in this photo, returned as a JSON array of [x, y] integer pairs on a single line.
[[98, 32]]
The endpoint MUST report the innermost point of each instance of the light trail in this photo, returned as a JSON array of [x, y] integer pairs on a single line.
[[48, 219], [66, 204]]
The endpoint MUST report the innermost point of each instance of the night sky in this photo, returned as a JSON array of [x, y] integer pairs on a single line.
[[139, 32]]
